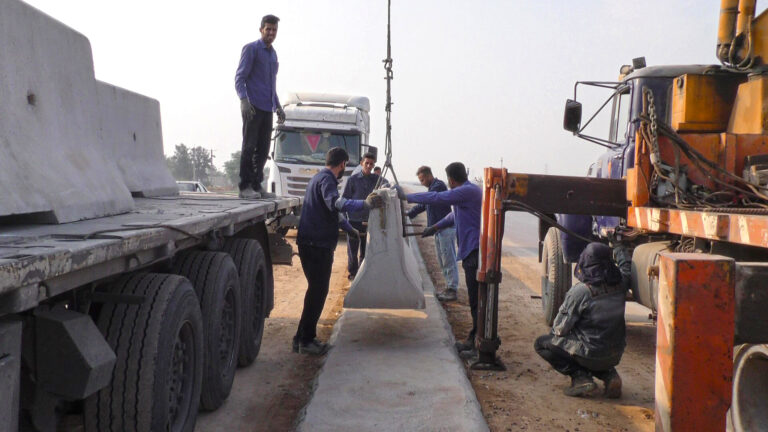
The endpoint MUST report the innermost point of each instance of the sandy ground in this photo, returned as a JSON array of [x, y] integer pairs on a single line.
[[269, 394], [528, 395]]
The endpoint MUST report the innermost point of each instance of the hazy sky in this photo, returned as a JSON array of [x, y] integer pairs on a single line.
[[475, 81]]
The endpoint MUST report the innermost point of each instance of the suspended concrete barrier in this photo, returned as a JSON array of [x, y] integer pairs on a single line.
[[389, 277]]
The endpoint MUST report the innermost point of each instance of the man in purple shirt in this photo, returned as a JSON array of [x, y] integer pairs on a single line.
[[467, 201], [445, 239], [255, 81]]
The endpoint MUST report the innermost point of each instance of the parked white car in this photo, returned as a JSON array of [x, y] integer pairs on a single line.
[[191, 186]]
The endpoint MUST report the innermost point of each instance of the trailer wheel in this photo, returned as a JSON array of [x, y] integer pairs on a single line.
[[251, 263], [157, 378], [556, 276], [214, 276]]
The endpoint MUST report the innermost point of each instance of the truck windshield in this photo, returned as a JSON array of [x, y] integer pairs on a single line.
[[310, 147]]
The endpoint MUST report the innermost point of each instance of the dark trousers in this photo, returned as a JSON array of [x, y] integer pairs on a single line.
[[569, 364], [353, 264], [256, 134], [316, 263], [469, 264]]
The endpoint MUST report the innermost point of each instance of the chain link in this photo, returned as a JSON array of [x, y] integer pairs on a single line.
[[652, 115]]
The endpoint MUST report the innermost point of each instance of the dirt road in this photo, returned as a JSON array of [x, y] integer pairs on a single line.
[[528, 396], [269, 394]]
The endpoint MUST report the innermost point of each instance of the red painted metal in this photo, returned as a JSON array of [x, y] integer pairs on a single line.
[[694, 342]]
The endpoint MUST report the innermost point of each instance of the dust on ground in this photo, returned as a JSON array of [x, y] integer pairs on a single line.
[[270, 394], [528, 395]]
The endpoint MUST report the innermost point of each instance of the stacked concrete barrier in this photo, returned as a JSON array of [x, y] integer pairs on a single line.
[[62, 140], [131, 129], [389, 277]]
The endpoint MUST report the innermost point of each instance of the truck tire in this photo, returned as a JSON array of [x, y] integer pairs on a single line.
[[556, 276], [214, 276], [251, 264], [157, 378]]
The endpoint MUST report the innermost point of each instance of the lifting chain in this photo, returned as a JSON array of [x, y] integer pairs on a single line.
[[655, 155]]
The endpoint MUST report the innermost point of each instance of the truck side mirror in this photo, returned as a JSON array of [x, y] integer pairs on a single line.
[[572, 117], [374, 150]]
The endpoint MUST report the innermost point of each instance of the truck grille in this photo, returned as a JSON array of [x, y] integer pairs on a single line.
[[297, 186]]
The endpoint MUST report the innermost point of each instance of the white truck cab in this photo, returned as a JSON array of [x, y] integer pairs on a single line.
[[315, 123]]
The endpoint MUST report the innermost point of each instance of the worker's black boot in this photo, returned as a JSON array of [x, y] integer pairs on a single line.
[[314, 347], [581, 384], [612, 382], [466, 345]]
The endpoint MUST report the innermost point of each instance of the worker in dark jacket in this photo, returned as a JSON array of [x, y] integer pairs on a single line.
[[317, 237], [445, 239], [359, 185], [588, 334]]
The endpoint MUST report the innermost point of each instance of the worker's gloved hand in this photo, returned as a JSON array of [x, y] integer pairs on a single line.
[[373, 201], [400, 192], [429, 231], [280, 115], [354, 233], [247, 109]]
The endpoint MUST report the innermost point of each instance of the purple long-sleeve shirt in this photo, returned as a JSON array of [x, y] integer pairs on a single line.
[[256, 76], [467, 202]]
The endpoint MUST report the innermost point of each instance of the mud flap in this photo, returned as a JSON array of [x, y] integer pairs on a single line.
[[389, 277]]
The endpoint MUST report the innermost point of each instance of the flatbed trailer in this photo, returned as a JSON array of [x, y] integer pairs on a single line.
[[58, 355]]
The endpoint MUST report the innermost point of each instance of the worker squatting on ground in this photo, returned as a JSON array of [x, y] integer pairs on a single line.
[[359, 185], [445, 239], [588, 334], [467, 201], [255, 83], [317, 236]]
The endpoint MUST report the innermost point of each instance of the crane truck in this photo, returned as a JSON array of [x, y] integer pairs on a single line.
[[122, 303], [683, 189]]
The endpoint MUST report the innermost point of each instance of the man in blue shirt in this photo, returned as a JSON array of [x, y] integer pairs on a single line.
[[467, 201], [317, 237], [255, 83], [359, 185], [445, 239]]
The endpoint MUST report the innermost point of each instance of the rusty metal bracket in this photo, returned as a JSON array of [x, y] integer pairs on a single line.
[[567, 195]]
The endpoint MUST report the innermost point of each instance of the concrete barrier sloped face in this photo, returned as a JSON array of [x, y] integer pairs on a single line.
[[131, 131], [54, 165], [389, 277]]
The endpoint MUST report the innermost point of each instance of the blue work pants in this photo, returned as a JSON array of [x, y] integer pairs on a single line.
[[353, 245], [445, 245]]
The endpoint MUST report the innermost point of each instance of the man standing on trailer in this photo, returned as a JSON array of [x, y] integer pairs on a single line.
[[445, 239], [467, 201], [255, 83], [359, 185], [317, 237]]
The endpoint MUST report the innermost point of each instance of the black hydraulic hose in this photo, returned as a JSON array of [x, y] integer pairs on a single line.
[[517, 205]]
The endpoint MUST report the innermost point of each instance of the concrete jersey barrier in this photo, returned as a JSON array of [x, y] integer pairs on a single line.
[[389, 277], [67, 149]]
